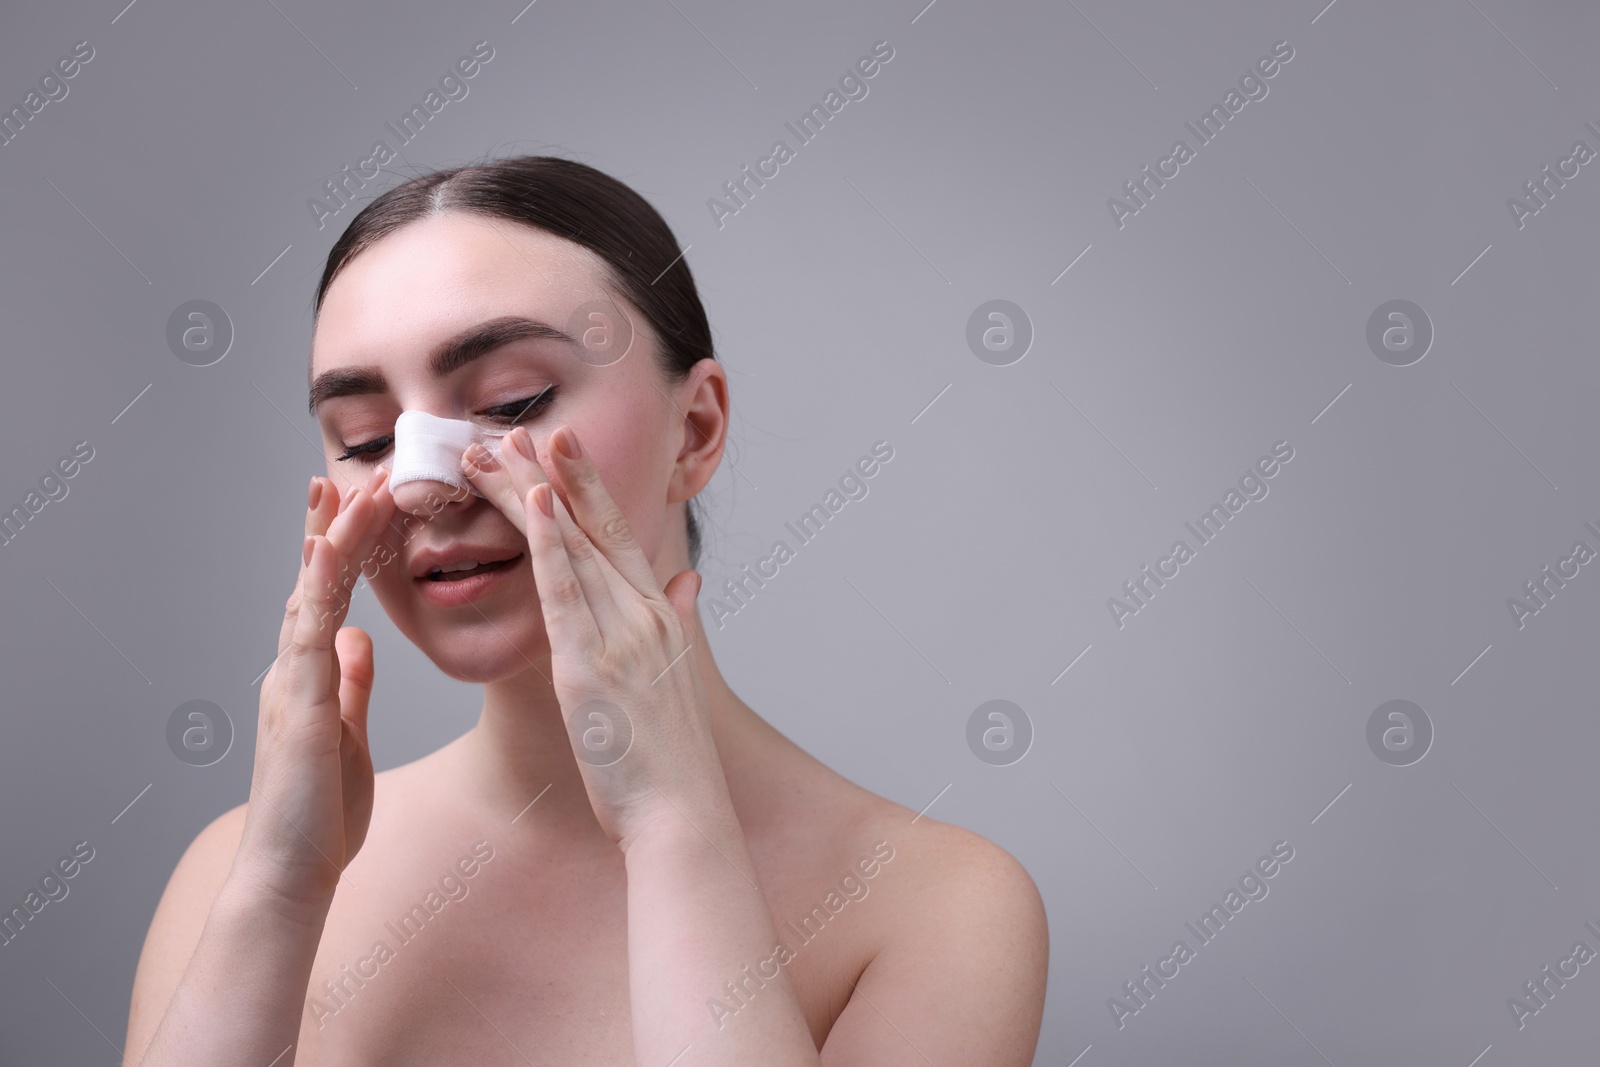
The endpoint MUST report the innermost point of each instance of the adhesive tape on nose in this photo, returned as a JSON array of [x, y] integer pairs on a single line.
[[428, 448]]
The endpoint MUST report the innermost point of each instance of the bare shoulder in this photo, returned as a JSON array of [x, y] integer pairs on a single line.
[[938, 865], [181, 914], [950, 895], [936, 873], [951, 868], [175, 928]]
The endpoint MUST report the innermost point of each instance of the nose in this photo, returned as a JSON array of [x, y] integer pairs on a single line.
[[425, 469], [426, 497]]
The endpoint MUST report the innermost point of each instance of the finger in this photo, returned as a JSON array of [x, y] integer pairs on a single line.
[[312, 672], [357, 508], [366, 553], [354, 648], [568, 622], [491, 477], [505, 481], [364, 512], [322, 504], [597, 514], [602, 585], [683, 592], [355, 511]]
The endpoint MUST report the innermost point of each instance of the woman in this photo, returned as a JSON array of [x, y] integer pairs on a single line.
[[621, 863]]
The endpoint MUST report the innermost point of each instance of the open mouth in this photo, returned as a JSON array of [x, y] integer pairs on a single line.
[[459, 571]]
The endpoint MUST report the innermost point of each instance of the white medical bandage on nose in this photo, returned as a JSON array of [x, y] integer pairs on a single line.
[[428, 448]]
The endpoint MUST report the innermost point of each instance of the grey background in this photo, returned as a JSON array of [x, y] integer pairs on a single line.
[[1226, 316]]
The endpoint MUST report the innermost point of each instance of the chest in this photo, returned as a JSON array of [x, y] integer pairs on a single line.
[[520, 963]]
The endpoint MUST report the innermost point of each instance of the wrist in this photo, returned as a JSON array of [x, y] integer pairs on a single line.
[[249, 895], [648, 828], [681, 827]]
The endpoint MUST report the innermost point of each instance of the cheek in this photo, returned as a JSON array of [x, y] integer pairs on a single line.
[[627, 451], [344, 475], [392, 588], [385, 569], [387, 578]]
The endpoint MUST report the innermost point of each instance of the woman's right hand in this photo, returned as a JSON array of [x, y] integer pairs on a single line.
[[311, 791]]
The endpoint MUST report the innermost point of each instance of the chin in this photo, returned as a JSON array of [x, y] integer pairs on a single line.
[[471, 655], [468, 646]]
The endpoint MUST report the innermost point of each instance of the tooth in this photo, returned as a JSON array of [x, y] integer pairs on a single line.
[[466, 565]]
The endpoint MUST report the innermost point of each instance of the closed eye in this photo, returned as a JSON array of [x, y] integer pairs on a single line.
[[517, 411], [522, 410]]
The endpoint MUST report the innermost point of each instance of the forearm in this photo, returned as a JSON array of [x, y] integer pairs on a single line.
[[696, 924], [243, 995]]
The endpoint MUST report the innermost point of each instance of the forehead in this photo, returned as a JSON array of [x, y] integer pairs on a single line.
[[437, 275]]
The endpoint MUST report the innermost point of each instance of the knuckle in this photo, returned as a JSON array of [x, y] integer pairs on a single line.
[[664, 632], [301, 642], [663, 624], [314, 603], [308, 635], [580, 549], [567, 591], [333, 596], [477, 460], [614, 529], [607, 678]]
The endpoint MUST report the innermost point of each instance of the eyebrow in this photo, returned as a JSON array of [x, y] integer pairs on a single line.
[[445, 358]]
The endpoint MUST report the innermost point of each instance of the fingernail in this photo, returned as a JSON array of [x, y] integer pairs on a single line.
[[569, 444], [349, 491], [520, 442], [305, 552], [545, 500], [374, 478], [314, 494]]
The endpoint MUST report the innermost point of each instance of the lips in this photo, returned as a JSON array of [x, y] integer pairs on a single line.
[[464, 571], [457, 588], [457, 562], [453, 576]]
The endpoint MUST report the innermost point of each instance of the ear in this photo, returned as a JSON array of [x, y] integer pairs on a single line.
[[702, 402]]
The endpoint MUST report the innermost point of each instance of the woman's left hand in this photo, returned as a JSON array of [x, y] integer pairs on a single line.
[[622, 646]]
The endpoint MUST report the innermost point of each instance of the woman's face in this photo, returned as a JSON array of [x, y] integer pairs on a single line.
[[393, 311]]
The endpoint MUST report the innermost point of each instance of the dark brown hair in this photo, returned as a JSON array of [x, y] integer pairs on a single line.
[[571, 200]]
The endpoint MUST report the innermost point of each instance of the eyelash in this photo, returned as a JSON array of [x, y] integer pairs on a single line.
[[515, 413]]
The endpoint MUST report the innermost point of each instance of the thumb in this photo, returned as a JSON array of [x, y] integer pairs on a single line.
[[354, 648], [683, 593]]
